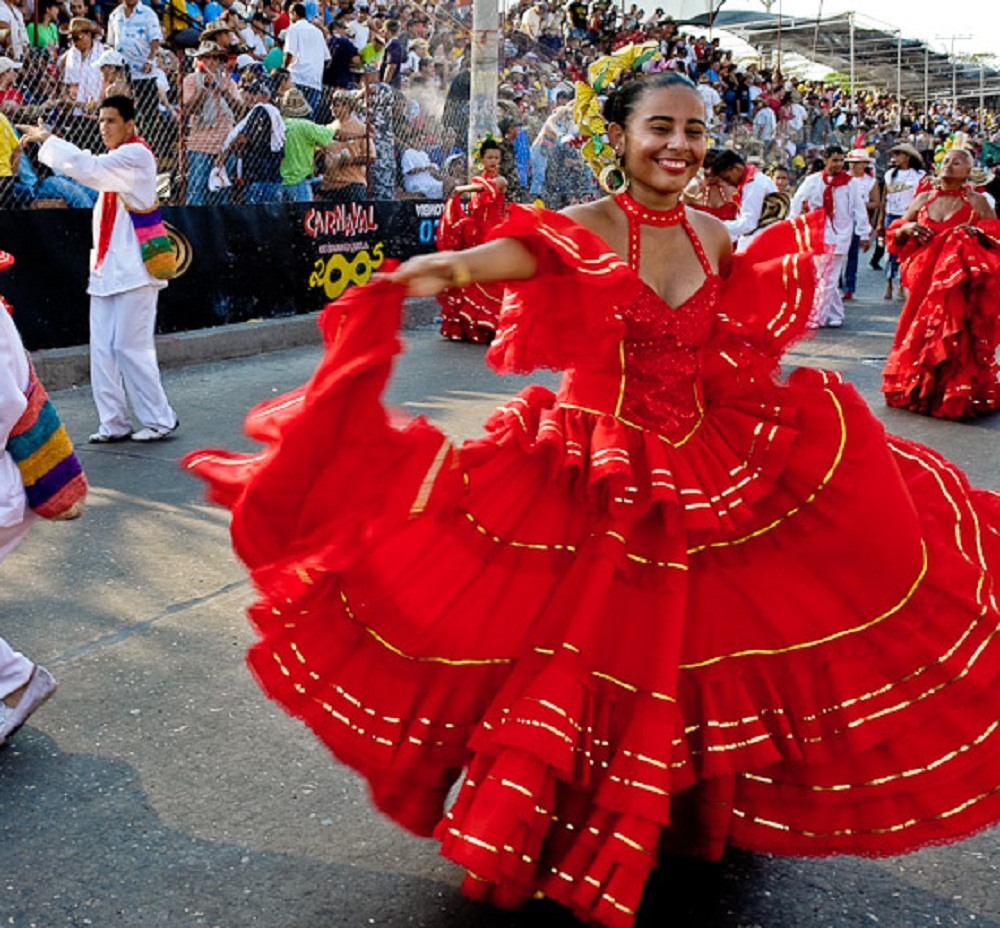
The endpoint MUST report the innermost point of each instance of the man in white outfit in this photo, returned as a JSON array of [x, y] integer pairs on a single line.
[[751, 187], [123, 294], [832, 191], [24, 685]]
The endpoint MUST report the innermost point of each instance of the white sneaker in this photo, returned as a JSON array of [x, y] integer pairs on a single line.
[[153, 433], [40, 687]]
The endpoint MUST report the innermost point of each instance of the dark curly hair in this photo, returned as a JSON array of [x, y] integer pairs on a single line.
[[620, 103]]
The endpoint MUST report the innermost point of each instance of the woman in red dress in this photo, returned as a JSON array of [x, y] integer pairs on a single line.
[[944, 357], [469, 313], [681, 604]]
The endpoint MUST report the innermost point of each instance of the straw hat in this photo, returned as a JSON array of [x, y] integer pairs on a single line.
[[294, 105], [907, 149], [859, 154], [214, 28], [82, 24], [210, 48]]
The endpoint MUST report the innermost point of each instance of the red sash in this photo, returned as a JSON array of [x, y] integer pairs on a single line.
[[109, 209]]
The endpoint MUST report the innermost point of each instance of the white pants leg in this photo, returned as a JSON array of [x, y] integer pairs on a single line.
[[123, 361], [829, 305], [15, 669]]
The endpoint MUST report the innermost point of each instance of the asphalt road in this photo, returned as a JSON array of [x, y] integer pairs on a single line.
[[159, 788]]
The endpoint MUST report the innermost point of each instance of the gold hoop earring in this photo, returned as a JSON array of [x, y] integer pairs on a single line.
[[613, 179]]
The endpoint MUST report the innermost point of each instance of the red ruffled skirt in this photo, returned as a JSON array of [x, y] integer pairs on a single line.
[[944, 360], [779, 633]]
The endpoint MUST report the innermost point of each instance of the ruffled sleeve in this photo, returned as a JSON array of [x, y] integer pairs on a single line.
[[569, 313], [768, 297]]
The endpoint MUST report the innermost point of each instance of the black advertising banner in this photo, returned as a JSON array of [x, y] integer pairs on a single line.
[[237, 262]]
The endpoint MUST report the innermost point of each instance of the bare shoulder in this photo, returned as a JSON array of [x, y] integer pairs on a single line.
[[598, 216], [713, 235], [594, 216], [981, 205]]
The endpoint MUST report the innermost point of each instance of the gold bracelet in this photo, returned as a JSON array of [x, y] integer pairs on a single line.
[[461, 276]]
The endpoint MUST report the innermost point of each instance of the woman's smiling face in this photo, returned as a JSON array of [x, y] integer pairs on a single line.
[[663, 142]]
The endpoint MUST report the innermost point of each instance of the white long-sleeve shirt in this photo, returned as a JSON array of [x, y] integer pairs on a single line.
[[130, 171], [849, 212], [751, 205], [15, 516]]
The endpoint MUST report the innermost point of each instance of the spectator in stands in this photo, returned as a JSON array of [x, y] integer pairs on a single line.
[[11, 97], [46, 35], [212, 100], [359, 26], [13, 34], [114, 74], [220, 33], [303, 138], [305, 54], [258, 142], [345, 172], [381, 109], [393, 56], [134, 32], [344, 56], [82, 81], [420, 175], [10, 156], [764, 122], [257, 37]]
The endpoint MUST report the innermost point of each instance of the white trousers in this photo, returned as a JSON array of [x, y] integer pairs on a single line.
[[123, 361], [829, 309], [15, 669]]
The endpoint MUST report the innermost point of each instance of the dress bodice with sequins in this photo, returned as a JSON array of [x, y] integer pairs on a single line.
[[653, 382]]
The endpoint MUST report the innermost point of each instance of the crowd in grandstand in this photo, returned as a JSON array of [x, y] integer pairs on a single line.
[[275, 99]]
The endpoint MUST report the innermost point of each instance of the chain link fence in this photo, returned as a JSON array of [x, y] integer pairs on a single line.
[[390, 121]]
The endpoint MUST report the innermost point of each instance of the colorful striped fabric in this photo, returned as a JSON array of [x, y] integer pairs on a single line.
[[52, 476], [157, 250]]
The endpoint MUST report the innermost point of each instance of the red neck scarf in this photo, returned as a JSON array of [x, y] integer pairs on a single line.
[[109, 209], [748, 174], [829, 182]]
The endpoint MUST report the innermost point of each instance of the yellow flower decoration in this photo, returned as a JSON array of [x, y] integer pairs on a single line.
[[587, 115]]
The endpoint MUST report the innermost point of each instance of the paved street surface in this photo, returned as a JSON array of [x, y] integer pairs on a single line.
[[160, 789]]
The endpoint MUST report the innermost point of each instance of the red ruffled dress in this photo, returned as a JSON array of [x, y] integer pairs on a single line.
[[681, 604], [470, 313], [944, 358]]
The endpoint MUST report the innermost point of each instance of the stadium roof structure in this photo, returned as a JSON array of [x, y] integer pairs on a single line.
[[875, 53]]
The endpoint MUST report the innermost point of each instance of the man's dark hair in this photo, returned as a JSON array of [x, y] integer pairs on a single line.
[[299, 9], [124, 105], [832, 150], [726, 159]]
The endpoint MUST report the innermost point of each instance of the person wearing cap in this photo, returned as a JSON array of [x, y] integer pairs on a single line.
[[303, 137], [11, 98], [123, 293], [859, 165], [345, 57], [213, 101], [306, 54], [901, 181], [832, 191], [82, 82], [134, 32], [114, 74]]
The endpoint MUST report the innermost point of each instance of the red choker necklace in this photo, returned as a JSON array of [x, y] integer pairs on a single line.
[[951, 193], [650, 217]]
